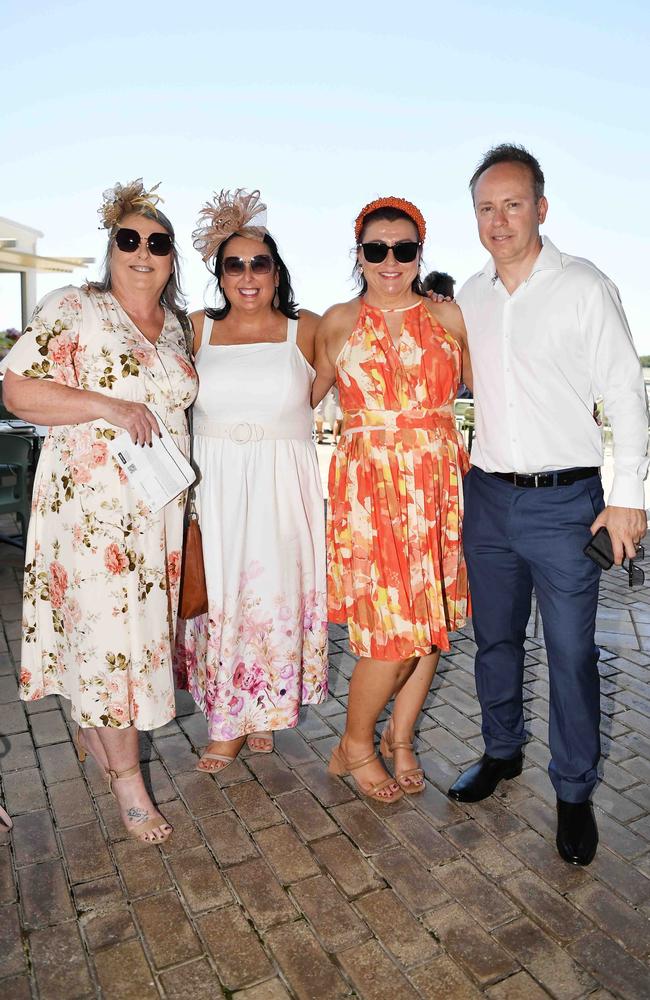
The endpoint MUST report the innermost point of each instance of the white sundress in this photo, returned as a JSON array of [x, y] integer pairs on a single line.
[[261, 651]]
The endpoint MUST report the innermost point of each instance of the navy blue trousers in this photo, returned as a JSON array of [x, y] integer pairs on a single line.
[[516, 539]]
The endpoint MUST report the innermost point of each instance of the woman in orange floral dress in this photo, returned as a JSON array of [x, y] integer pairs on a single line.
[[396, 574]]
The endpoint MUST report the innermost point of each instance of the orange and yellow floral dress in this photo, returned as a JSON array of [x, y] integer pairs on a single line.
[[396, 572]]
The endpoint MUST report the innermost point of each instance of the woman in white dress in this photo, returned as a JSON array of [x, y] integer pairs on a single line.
[[261, 650], [102, 570]]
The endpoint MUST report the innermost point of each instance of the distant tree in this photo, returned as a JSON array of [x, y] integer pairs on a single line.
[[7, 340], [645, 360]]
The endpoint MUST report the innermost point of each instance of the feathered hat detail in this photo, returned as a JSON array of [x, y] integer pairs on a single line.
[[120, 200], [228, 213]]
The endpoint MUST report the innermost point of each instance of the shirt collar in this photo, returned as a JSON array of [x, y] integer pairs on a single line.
[[548, 259]]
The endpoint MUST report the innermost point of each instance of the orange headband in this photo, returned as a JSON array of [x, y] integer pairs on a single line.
[[401, 204]]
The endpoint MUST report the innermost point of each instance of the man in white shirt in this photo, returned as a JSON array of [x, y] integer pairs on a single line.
[[547, 336]]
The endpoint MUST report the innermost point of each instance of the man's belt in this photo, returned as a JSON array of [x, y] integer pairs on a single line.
[[536, 479]]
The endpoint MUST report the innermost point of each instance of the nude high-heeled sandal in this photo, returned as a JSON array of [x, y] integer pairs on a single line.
[[340, 765], [416, 774], [268, 737], [138, 831]]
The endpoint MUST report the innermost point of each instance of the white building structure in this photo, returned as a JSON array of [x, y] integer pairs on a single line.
[[18, 256]]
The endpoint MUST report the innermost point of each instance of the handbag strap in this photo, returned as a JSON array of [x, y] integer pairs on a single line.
[[190, 508], [188, 330]]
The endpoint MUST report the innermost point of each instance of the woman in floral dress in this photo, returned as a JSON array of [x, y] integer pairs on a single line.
[[261, 650], [396, 573], [102, 570]]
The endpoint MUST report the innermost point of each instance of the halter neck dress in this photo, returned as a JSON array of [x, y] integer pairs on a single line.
[[396, 572], [261, 650]]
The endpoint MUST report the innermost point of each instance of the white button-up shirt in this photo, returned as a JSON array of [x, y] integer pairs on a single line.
[[540, 359]]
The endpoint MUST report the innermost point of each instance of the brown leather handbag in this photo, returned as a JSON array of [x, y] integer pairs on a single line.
[[193, 599], [193, 591]]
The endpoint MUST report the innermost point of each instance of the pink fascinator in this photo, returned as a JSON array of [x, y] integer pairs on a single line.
[[239, 212]]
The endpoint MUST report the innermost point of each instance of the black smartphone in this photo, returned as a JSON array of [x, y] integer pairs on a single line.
[[600, 549]]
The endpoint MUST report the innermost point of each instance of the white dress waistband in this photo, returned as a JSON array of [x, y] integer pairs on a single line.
[[244, 432]]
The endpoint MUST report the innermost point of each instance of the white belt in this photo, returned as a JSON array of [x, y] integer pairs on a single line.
[[243, 432]]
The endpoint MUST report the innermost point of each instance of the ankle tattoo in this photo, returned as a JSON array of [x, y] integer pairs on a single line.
[[136, 815]]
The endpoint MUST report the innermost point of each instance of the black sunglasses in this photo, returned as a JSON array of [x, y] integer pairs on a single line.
[[404, 252], [159, 244], [261, 263], [635, 575]]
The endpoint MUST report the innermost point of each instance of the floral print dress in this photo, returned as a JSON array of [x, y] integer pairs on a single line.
[[396, 572], [261, 650], [102, 570]]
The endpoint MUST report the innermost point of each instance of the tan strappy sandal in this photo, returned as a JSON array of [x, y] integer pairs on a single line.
[[82, 753], [6, 822], [224, 757], [340, 765], [416, 774], [260, 736], [139, 830]]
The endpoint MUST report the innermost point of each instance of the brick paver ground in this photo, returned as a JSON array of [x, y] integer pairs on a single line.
[[279, 881]]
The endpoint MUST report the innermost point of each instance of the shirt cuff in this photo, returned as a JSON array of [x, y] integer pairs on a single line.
[[626, 491]]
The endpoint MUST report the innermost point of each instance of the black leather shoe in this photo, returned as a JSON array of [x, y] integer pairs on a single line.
[[577, 833], [480, 780]]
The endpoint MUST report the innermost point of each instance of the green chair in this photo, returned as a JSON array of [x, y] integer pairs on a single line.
[[15, 463]]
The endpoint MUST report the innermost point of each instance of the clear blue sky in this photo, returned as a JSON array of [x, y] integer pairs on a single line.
[[323, 110]]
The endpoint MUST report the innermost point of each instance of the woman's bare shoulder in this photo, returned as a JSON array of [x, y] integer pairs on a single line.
[[340, 314], [308, 320], [196, 319], [448, 315]]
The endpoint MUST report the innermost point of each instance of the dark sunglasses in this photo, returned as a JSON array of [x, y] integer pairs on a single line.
[[635, 575], [404, 252], [261, 263], [159, 244]]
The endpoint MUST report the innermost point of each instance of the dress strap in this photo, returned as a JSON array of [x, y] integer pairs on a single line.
[[207, 329], [292, 331]]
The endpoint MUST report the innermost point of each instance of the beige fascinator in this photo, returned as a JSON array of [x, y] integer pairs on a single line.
[[120, 200], [228, 213]]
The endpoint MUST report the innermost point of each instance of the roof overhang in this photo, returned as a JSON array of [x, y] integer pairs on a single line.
[[16, 260]]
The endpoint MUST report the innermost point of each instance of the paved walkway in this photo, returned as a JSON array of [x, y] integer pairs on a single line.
[[280, 882]]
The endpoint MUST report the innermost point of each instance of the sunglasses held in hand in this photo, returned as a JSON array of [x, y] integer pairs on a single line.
[[404, 252], [158, 244], [599, 549]]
